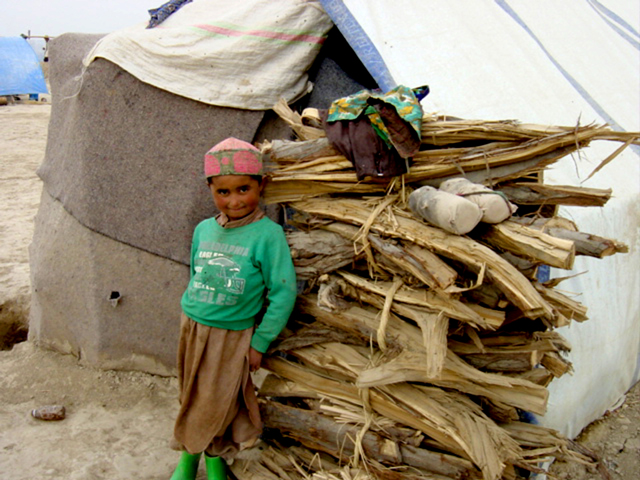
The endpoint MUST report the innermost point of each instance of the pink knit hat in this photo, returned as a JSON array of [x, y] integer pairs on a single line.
[[232, 157]]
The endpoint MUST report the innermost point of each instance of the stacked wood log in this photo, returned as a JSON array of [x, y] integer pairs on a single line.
[[413, 352]]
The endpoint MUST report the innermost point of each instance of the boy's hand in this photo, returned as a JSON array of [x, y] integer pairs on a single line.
[[255, 359]]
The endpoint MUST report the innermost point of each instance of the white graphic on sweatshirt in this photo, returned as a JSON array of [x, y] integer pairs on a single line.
[[217, 279]]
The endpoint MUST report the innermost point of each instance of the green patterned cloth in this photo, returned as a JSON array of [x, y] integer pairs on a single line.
[[404, 99]]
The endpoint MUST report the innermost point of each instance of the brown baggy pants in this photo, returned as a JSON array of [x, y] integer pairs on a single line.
[[218, 404]]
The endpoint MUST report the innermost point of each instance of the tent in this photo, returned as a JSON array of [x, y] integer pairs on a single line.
[[20, 71], [129, 124]]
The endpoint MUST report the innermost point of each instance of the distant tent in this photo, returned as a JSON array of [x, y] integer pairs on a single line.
[[20, 71]]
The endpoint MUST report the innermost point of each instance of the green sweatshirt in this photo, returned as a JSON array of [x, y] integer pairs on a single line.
[[234, 272]]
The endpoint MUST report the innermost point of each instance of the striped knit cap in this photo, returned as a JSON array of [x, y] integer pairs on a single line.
[[232, 157]]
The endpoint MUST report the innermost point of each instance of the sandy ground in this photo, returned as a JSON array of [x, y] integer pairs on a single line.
[[118, 424]]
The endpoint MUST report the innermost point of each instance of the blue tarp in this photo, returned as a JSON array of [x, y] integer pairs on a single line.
[[20, 71]]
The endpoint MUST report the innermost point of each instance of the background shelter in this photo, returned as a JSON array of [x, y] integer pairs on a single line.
[[20, 71], [124, 188]]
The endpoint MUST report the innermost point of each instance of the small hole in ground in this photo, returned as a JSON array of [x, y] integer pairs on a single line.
[[14, 328], [15, 333]]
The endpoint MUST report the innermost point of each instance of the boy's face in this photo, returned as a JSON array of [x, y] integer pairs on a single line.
[[236, 195]]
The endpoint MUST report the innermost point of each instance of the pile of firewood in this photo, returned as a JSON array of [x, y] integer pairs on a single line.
[[413, 352]]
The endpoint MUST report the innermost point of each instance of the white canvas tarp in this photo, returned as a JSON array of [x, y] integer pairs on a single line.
[[230, 54], [544, 62]]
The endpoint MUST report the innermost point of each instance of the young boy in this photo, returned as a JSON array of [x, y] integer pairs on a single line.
[[240, 266]]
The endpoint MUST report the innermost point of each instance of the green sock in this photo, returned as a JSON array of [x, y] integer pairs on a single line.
[[187, 468]]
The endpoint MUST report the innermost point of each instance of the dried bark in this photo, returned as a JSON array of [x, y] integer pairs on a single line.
[[585, 243], [531, 193]]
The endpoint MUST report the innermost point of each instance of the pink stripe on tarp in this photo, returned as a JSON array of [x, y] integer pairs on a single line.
[[263, 33]]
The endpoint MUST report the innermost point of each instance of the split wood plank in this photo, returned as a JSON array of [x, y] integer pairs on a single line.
[[533, 193], [585, 243], [318, 252], [565, 306], [531, 244]]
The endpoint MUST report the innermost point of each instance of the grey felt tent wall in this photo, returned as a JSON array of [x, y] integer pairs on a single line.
[[123, 190]]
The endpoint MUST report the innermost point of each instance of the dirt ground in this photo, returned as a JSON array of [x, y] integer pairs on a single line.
[[118, 424]]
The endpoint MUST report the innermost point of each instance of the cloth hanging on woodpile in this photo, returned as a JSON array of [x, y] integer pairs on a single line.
[[367, 151], [378, 133]]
